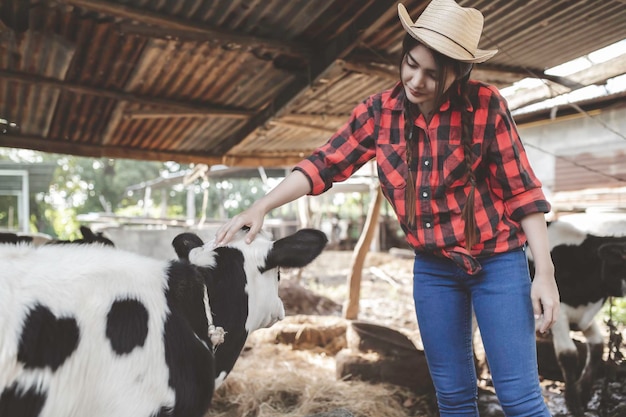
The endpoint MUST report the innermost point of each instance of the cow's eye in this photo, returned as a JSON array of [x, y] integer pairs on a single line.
[[278, 274]]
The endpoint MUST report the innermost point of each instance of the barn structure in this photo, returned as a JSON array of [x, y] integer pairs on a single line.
[[252, 84], [261, 83]]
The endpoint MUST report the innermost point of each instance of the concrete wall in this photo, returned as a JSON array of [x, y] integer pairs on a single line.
[[593, 142], [155, 243]]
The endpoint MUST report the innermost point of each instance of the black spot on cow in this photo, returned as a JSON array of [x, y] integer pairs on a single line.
[[14, 239], [22, 403], [127, 326], [47, 341]]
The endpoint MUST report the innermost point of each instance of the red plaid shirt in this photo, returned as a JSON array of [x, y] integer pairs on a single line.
[[506, 187]]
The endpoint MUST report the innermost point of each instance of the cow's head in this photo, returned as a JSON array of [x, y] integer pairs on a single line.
[[613, 258], [260, 263], [242, 282]]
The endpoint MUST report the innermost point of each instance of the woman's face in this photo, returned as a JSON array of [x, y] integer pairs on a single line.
[[419, 77]]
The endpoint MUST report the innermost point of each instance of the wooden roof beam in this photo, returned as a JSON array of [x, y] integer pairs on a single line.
[[533, 73], [161, 25], [62, 146], [177, 106], [367, 63]]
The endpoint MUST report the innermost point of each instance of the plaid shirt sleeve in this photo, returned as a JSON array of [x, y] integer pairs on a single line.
[[346, 151], [513, 178]]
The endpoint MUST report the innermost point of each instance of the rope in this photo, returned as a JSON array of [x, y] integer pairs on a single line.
[[216, 334]]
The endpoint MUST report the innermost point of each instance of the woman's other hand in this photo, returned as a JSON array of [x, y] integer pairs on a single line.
[[545, 297]]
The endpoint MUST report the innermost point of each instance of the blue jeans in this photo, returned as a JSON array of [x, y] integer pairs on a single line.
[[500, 295]]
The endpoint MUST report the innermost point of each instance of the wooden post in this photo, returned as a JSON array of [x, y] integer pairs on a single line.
[[351, 308]]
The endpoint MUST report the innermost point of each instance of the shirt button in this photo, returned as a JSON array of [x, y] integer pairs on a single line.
[[425, 194], [427, 162], [428, 225]]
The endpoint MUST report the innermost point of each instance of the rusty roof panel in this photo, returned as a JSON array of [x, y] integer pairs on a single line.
[[203, 78], [542, 34], [340, 96]]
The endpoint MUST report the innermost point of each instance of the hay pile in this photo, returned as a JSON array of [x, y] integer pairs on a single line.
[[289, 370], [274, 380]]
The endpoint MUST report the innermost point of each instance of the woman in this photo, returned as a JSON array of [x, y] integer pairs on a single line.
[[452, 165]]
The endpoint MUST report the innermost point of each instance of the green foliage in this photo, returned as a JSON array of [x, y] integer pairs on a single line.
[[63, 223], [114, 186], [616, 311], [85, 185], [230, 197], [8, 217], [99, 185]]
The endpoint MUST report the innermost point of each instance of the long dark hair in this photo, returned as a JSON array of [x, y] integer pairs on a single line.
[[457, 93]]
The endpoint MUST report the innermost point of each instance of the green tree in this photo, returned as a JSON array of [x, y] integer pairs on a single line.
[[88, 185], [85, 185]]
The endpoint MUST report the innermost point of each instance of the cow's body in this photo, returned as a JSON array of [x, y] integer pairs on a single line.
[[588, 270], [94, 331]]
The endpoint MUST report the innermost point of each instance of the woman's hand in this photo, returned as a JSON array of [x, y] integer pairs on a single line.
[[252, 217], [545, 298], [544, 291], [294, 185]]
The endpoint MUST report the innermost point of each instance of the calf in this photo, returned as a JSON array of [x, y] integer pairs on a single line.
[[588, 270], [89, 237], [89, 330]]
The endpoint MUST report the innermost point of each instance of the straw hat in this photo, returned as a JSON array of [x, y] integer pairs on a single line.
[[449, 29]]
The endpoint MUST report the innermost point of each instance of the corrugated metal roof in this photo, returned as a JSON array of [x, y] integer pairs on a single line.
[[258, 82]]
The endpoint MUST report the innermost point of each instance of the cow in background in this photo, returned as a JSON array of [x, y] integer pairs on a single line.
[[89, 237], [14, 238], [588, 270], [90, 330]]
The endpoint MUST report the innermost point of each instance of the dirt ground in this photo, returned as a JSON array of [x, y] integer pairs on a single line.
[[386, 299]]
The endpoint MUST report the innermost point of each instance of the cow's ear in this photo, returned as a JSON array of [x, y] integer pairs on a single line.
[[184, 243], [296, 250], [87, 233]]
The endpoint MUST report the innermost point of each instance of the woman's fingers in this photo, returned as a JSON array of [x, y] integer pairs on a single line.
[[248, 218]]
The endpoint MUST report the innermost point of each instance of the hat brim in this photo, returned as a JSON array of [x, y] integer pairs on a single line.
[[441, 44]]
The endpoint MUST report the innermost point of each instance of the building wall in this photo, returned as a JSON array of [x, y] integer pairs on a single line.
[[581, 160]]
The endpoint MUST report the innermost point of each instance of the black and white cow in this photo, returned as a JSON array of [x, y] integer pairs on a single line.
[[588, 270], [91, 330]]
